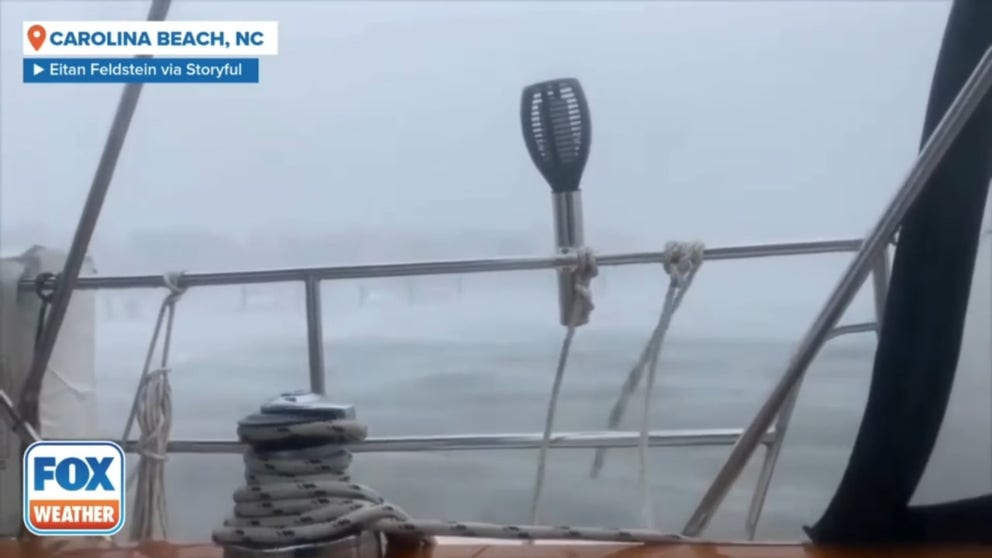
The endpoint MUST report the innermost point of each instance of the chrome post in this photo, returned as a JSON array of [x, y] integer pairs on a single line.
[[772, 452], [774, 447], [568, 236], [958, 114], [31, 391], [880, 285], [315, 335]]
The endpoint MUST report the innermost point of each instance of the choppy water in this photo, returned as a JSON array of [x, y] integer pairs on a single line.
[[476, 363]]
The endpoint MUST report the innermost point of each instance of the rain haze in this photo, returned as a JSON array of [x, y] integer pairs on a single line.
[[389, 131]]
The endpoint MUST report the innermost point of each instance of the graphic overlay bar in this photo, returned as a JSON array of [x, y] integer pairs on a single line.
[[140, 70], [150, 38]]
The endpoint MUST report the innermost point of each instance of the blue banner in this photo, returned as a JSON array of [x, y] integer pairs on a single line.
[[141, 70]]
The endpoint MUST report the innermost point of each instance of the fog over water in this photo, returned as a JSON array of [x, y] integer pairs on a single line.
[[388, 131]]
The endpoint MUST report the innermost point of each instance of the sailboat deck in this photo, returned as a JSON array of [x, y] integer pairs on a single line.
[[102, 549]]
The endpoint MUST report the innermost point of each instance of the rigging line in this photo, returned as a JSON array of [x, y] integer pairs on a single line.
[[636, 373], [682, 261], [582, 307]]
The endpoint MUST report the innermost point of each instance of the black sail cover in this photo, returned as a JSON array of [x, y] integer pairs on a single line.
[[920, 337]]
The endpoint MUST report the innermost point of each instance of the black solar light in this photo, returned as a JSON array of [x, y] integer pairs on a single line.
[[557, 131]]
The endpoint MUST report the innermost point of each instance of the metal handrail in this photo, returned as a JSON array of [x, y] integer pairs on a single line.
[[312, 276], [773, 449], [849, 329], [443, 267], [468, 442]]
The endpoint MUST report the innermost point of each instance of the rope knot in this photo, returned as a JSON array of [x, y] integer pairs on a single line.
[[681, 259], [585, 264], [146, 453], [583, 271], [171, 279]]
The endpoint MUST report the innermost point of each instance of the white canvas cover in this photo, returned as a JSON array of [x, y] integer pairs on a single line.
[[68, 398]]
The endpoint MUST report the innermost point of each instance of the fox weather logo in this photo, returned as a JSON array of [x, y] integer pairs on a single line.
[[74, 488]]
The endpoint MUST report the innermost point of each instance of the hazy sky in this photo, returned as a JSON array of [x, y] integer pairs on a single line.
[[722, 121]]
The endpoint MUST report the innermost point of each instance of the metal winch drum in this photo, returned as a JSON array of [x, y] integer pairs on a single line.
[[296, 408]]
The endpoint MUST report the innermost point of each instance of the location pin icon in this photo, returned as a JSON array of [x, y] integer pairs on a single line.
[[36, 36]]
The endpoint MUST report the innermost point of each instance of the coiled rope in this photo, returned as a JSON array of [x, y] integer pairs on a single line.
[[152, 407], [301, 493], [681, 262]]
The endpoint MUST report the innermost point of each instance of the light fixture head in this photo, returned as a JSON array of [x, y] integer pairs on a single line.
[[557, 131]]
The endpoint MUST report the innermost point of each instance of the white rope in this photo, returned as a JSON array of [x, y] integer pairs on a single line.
[[582, 306], [152, 407], [681, 262]]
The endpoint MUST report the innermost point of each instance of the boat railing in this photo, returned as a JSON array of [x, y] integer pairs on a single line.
[[312, 277]]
